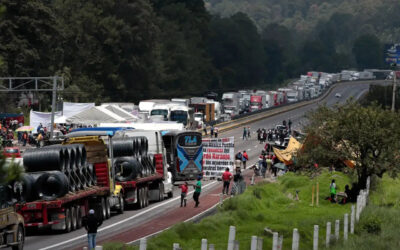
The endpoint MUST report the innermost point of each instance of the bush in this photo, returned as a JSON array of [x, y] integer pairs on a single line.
[[371, 225]]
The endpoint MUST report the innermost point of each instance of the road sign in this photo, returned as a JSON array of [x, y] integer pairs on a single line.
[[392, 53]]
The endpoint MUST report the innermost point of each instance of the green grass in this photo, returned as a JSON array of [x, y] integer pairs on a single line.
[[263, 205], [379, 223]]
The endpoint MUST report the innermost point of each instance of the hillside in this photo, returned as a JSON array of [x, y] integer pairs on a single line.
[[378, 17]]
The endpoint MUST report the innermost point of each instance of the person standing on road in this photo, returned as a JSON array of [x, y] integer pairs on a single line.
[[248, 133], [238, 159], [92, 224], [184, 187], [197, 191], [245, 158], [205, 129], [216, 132], [24, 138], [290, 125], [212, 130], [226, 178], [244, 133]]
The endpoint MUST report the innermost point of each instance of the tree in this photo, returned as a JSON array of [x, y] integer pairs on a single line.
[[368, 136], [28, 38], [368, 51], [237, 51]]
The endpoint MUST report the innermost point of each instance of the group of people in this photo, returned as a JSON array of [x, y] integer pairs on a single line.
[[264, 135], [241, 159], [349, 195], [196, 195], [213, 130]]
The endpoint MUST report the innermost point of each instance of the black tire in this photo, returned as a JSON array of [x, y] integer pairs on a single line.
[[20, 239], [121, 208], [78, 217], [108, 208], [146, 196], [103, 208], [74, 219], [68, 223], [161, 191], [170, 194], [140, 198]]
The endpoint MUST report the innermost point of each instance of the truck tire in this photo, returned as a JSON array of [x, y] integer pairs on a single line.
[[20, 239], [78, 217], [108, 208], [146, 196], [68, 220], [161, 191], [73, 219], [140, 198], [170, 194], [103, 208], [121, 208]]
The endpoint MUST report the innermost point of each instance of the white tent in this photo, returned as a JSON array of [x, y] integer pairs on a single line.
[[35, 118], [95, 115], [121, 112], [147, 125], [60, 119], [73, 108]]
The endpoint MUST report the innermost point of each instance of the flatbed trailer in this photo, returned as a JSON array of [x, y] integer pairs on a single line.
[[143, 190], [63, 213]]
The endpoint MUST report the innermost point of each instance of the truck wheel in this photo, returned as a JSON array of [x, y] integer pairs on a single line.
[[170, 194], [142, 202], [121, 208], [146, 196], [139, 202], [20, 239], [78, 217], [108, 209], [161, 192], [103, 208], [68, 220], [73, 219]]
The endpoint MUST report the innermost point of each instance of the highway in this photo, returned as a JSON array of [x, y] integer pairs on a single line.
[[121, 223]]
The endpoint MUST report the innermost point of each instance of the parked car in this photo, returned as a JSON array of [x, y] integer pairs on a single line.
[[11, 152], [338, 95]]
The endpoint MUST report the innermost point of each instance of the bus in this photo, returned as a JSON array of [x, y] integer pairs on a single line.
[[184, 154]]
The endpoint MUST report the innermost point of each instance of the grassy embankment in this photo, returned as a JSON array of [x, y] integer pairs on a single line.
[[379, 224], [264, 205]]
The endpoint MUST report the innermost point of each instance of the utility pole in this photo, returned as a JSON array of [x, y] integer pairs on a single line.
[[394, 90], [53, 105]]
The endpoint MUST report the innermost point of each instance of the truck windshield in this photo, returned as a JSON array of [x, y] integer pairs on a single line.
[[179, 116], [228, 101], [160, 112]]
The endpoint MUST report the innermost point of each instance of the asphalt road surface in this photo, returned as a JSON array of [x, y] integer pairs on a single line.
[[122, 223]]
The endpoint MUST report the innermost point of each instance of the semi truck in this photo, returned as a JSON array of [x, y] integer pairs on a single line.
[[257, 102], [66, 213], [231, 102]]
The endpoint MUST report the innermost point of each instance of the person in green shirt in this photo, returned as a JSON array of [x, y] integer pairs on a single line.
[[197, 191]]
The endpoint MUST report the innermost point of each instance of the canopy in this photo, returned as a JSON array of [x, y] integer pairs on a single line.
[[73, 108], [25, 129], [148, 125], [121, 112], [95, 115], [286, 154], [60, 119], [41, 117]]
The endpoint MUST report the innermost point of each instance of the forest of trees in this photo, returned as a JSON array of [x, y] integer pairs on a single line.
[[129, 50]]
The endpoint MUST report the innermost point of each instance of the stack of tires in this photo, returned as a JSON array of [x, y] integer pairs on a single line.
[[53, 171], [131, 160]]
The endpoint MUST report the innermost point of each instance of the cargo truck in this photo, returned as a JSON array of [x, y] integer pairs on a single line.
[[66, 213], [231, 102], [257, 102]]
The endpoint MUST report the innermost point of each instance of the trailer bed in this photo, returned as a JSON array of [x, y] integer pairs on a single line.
[[134, 183]]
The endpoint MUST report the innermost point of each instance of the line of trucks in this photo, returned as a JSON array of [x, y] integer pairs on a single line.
[[112, 189]]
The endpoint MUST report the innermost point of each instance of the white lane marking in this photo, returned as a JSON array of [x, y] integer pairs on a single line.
[[122, 221]]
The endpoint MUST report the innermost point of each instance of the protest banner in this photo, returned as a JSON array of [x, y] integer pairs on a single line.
[[218, 154]]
